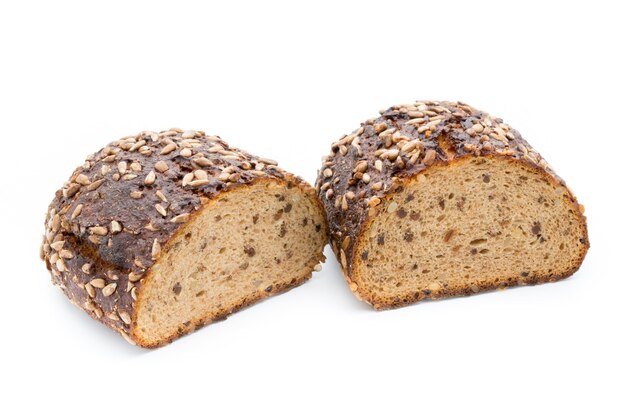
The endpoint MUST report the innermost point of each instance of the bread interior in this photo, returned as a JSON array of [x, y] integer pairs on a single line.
[[481, 223], [248, 243]]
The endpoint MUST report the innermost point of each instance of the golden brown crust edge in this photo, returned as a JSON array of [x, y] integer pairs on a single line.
[[380, 157], [107, 226]]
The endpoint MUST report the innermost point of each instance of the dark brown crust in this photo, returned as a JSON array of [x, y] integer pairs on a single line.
[[392, 150], [119, 188]]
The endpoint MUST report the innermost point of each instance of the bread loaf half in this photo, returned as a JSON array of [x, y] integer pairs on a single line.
[[160, 233], [437, 199]]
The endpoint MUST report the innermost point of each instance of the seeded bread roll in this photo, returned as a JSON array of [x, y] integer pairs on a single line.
[[438, 199], [161, 233]]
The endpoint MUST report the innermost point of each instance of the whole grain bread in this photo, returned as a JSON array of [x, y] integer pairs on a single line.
[[436, 199], [160, 233]]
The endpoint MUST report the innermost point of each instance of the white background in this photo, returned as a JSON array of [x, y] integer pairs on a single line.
[[283, 80]]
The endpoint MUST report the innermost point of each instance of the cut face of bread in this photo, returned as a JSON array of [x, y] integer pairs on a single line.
[[244, 245], [472, 225]]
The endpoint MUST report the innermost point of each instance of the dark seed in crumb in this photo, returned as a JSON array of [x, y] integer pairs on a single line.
[[287, 208], [401, 213], [414, 216], [524, 274], [177, 288], [486, 178], [536, 229], [318, 227], [442, 203], [408, 236], [409, 197], [381, 239], [364, 255], [305, 221], [269, 289], [278, 214], [255, 218], [249, 250], [283, 230], [218, 218], [474, 251]]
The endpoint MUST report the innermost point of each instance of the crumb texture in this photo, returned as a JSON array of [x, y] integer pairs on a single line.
[[480, 224], [246, 245], [114, 220], [436, 199]]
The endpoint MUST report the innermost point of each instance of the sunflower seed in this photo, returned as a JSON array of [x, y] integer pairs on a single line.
[[156, 249], [200, 174], [124, 316], [161, 196], [58, 245], [162, 211], [86, 268], [168, 148], [77, 211], [187, 178], [91, 292], [429, 157], [82, 179], [71, 190], [161, 166], [98, 283], [109, 289], [98, 230], [198, 183], [132, 277], [95, 185], [116, 227], [203, 162], [150, 178], [181, 218]]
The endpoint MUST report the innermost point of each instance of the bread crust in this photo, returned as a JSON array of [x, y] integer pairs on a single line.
[[387, 153], [113, 219]]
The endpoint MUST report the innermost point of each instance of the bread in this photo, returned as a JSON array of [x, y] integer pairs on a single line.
[[438, 199], [160, 233]]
